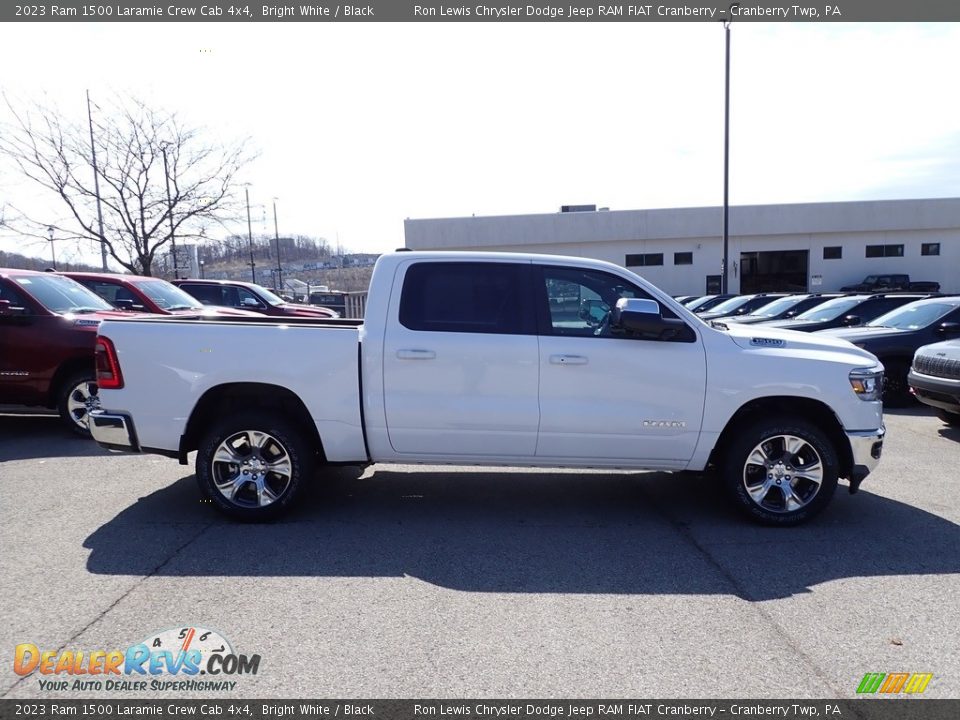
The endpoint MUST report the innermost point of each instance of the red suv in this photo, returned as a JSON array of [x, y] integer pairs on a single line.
[[247, 296], [48, 327], [148, 294]]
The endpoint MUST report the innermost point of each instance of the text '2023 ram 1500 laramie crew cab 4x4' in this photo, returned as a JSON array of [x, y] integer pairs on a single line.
[[490, 359]]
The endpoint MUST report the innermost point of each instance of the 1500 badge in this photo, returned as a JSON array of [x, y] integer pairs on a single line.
[[767, 342]]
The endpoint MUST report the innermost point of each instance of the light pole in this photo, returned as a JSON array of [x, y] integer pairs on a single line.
[[200, 263], [726, 161], [53, 252], [276, 234], [253, 265], [173, 242]]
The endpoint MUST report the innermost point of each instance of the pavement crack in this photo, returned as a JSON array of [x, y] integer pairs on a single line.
[[755, 604], [160, 566]]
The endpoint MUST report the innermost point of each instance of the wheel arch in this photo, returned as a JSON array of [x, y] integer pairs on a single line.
[[814, 411], [257, 397], [63, 373]]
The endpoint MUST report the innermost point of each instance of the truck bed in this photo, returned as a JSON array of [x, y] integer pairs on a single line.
[[168, 364]]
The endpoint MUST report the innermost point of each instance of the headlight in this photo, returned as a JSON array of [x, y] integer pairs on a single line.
[[867, 383]]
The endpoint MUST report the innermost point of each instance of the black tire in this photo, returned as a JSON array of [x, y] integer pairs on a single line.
[[950, 418], [737, 474], [74, 400], [896, 391], [250, 482]]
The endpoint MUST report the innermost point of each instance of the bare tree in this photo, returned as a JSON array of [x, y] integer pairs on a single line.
[[131, 140]]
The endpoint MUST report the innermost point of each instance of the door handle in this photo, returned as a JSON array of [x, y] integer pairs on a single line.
[[416, 354], [568, 360]]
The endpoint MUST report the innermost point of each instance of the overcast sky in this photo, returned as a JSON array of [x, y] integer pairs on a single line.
[[362, 125]]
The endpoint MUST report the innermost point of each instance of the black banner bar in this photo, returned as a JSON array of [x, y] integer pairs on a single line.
[[874, 708], [466, 11]]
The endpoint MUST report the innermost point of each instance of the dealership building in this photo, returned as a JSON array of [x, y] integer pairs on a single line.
[[796, 247]]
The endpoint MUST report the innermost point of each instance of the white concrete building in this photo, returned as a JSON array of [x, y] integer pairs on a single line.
[[811, 246]]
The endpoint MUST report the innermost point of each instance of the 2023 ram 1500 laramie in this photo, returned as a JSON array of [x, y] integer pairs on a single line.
[[494, 359]]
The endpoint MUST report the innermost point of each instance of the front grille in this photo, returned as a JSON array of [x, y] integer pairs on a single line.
[[937, 366]]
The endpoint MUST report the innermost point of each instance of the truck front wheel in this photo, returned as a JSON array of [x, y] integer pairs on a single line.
[[252, 466], [780, 472]]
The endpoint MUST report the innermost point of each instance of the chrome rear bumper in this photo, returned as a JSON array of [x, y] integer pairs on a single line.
[[114, 431]]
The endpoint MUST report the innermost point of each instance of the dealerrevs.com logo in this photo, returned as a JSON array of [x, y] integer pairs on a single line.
[[183, 654]]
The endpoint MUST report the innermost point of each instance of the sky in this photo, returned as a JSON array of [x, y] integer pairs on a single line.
[[359, 126]]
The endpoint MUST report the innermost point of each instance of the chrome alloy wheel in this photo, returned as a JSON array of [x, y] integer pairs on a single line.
[[251, 469], [82, 399], [783, 473]]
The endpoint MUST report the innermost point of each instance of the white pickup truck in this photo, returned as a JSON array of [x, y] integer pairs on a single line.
[[494, 359]]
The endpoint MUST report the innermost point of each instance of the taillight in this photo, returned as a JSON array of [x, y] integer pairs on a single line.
[[109, 376]]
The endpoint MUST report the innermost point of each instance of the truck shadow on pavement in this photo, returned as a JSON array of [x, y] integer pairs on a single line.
[[34, 435], [529, 532]]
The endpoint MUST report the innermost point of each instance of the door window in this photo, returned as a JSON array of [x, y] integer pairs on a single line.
[[467, 297], [248, 299], [579, 301]]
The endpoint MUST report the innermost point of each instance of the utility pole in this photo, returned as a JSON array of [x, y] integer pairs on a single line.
[[173, 242], [96, 186], [726, 164], [276, 234], [253, 265]]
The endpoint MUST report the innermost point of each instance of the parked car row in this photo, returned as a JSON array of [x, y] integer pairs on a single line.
[[49, 321], [893, 326]]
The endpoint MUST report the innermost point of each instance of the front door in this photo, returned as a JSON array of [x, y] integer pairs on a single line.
[[605, 396]]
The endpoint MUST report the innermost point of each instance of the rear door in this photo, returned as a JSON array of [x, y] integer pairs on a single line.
[[460, 371]]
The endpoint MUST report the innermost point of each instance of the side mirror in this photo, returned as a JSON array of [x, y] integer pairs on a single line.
[[249, 302], [126, 305], [851, 321], [9, 310], [643, 317], [949, 328]]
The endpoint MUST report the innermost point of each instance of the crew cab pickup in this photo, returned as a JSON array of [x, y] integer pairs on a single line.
[[892, 281], [490, 359], [48, 327]]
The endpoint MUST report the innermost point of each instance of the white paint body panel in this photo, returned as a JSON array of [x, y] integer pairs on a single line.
[[485, 399]]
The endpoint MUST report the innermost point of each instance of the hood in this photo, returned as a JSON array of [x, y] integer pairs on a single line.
[[794, 323], [92, 320], [948, 348], [858, 334], [744, 319], [753, 338], [304, 311], [217, 311]]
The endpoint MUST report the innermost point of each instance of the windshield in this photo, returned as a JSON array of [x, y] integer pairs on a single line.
[[830, 310], [61, 294], [731, 304], [912, 317], [167, 296], [702, 301], [776, 307], [269, 296]]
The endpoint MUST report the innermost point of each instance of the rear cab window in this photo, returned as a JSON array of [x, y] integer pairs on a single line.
[[468, 297]]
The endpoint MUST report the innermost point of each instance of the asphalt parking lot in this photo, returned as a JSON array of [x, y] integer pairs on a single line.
[[464, 582]]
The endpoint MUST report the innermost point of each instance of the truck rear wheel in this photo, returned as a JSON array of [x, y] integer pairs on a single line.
[[780, 471], [78, 396], [253, 466]]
